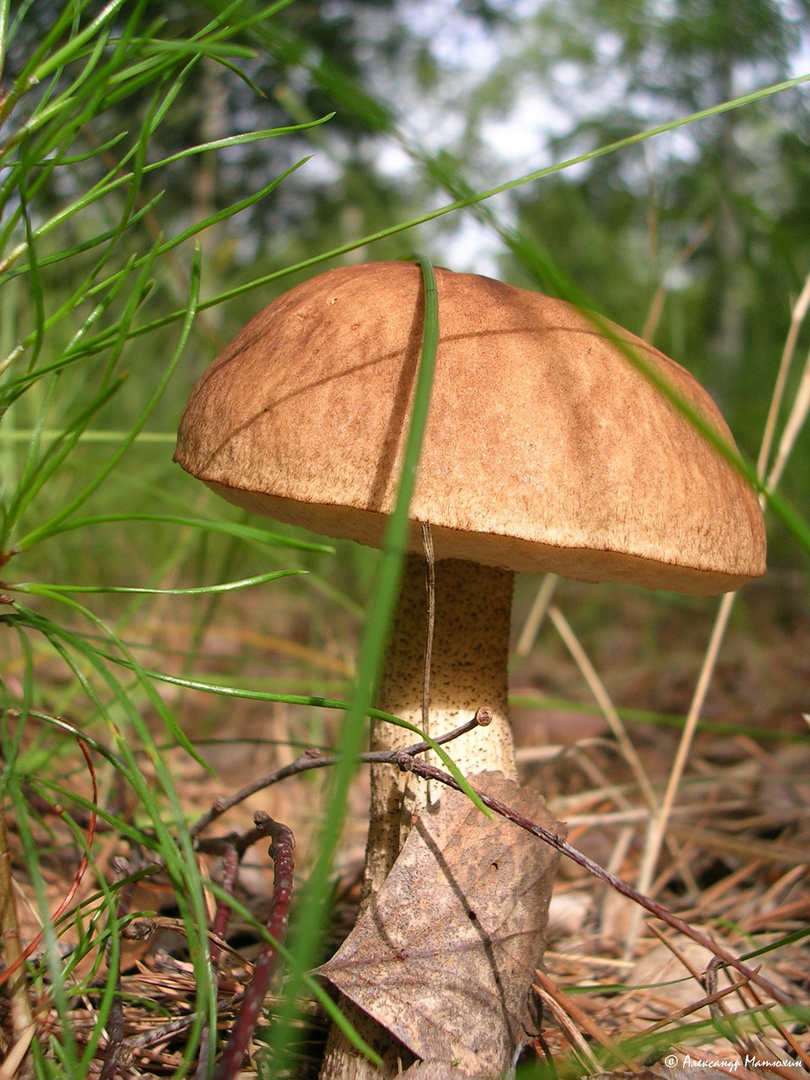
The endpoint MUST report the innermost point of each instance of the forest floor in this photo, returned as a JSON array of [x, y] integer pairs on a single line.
[[738, 843]]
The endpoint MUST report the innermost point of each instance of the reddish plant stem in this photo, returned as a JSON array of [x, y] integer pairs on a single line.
[[281, 852], [230, 874], [231, 857]]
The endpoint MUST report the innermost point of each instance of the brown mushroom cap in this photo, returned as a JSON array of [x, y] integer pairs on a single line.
[[545, 448]]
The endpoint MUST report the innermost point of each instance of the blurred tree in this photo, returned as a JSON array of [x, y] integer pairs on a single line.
[[311, 58], [698, 238], [714, 216]]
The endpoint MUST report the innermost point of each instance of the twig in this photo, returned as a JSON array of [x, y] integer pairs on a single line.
[[313, 758], [281, 850], [422, 768], [145, 1040], [407, 760], [232, 848], [230, 874], [115, 1040], [723, 1021]]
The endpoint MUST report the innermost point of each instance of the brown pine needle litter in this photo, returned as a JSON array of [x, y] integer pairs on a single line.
[[738, 872]]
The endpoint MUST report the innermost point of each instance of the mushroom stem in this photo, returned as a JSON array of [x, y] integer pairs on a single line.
[[469, 655], [468, 669]]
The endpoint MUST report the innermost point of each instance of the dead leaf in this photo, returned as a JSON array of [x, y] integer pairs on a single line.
[[443, 957], [434, 1070]]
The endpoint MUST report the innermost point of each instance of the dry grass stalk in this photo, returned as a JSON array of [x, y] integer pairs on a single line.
[[795, 422]]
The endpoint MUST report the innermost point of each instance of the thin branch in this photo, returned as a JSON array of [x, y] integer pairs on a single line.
[[422, 768], [313, 758], [408, 761]]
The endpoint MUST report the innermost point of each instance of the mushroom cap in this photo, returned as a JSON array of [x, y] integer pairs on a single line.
[[546, 449]]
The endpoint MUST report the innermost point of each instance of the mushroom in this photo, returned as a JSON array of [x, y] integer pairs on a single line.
[[546, 449]]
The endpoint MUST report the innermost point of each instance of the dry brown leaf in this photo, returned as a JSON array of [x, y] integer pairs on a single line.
[[443, 957], [433, 1070]]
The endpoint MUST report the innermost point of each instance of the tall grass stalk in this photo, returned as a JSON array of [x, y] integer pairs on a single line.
[[769, 480]]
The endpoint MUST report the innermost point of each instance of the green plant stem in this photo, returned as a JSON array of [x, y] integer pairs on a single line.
[[372, 651]]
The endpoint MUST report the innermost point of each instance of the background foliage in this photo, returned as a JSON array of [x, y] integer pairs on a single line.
[[157, 161]]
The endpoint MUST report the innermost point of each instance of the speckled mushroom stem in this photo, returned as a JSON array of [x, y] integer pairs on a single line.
[[468, 669]]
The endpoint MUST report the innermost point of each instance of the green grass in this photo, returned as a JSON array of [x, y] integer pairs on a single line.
[[99, 314]]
